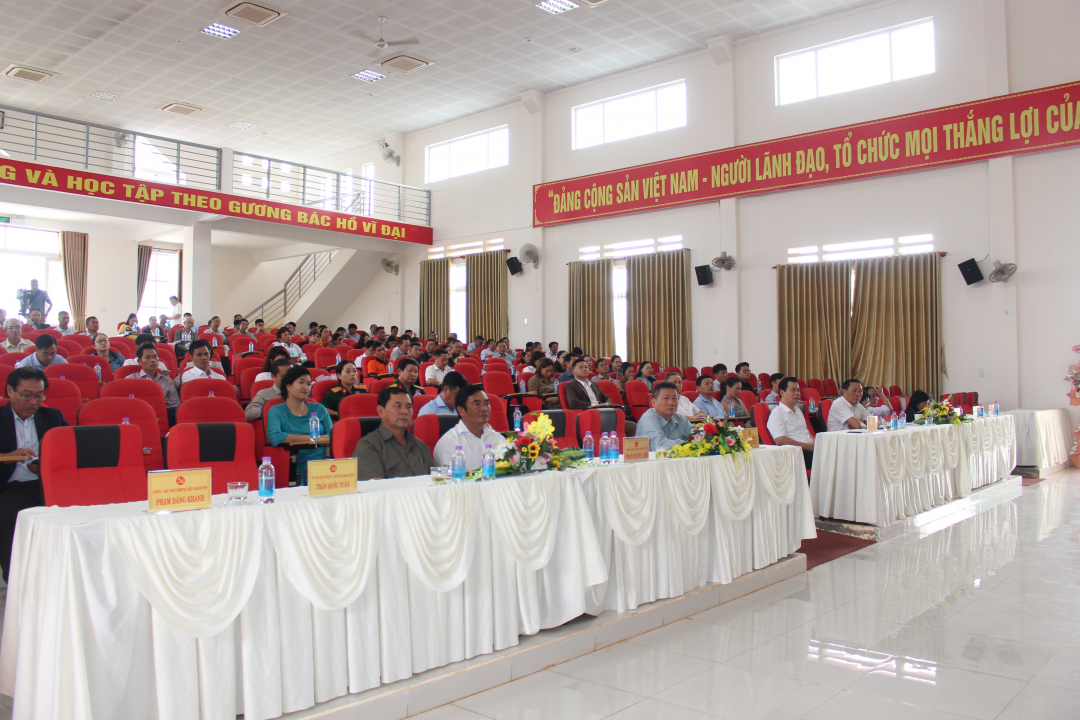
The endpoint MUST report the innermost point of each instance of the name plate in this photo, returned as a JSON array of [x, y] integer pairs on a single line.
[[750, 436], [331, 477], [175, 490], [635, 449], [872, 423]]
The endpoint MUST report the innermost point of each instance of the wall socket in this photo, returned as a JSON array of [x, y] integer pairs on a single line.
[[982, 372]]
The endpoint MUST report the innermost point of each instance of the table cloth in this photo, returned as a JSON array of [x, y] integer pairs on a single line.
[[263, 610], [1044, 438], [882, 477]]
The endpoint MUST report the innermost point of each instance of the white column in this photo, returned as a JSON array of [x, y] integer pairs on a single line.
[[196, 290], [225, 178], [528, 300]]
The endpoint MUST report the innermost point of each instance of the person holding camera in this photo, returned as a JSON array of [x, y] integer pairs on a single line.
[[37, 299]]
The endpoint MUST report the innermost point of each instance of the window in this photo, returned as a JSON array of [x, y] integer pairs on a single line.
[[466, 155], [895, 54], [26, 254], [630, 247], [469, 248], [643, 112], [161, 284], [458, 309], [886, 247]]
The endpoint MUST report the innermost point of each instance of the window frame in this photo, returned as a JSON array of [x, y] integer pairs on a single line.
[[862, 249], [655, 89], [56, 287], [152, 282], [449, 145]]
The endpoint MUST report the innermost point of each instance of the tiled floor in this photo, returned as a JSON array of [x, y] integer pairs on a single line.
[[980, 619]]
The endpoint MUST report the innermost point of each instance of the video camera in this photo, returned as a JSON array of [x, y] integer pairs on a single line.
[[23, 296]]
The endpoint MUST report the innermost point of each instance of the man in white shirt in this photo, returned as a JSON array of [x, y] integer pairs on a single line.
[[15, 341], [686, 408], [774, 382], [847, 411], [553, 351], [63, 320], [352, 334], [177, 316], [200, 364], [787, 425], [877, 405], [477, 344], [472, 432], [44, 354], [488, 351], [435, 374], [92, 326], [501, 352]]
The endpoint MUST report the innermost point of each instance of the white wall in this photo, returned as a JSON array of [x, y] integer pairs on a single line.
[[239, 284], [111, 276]]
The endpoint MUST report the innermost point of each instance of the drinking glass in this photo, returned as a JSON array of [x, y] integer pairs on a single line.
[[238, 493], [439, 474]]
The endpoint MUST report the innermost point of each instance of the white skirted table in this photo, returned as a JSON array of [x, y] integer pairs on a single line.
[[263, 610], [1044, 438], [883, 477]]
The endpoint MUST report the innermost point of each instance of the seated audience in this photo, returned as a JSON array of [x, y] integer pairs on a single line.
[[787, 425], [847, 411], [220, 339], [130, 327], [200, 363], [35, 320], [348, 383], [408, 373], [645, 374], [472, 432], [686, 408], [15, 341], [276, 351], [429, 351], [377, 367], [719, 371], [774, 384], [147, 356], [489, 350], [918, 400], [63, 323], [627, 373], [102, 349], [583, 393], [662, 423], [743, 371], [288, 422], [553, 351], [477, 344], [392, 451], [502, 353], [352, 334], [733, 405], [184, 338], [706, 402], [616, 363], [24, 421], [254, 409], [435, 373], [603, 370], [92, 327], [543, 383], [44, 354], [875, 403], [294, 351], [561, 362], [155, 329], [445, 402], [242, 329]]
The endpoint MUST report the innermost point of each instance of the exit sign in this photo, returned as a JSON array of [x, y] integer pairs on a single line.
[[5, 219]]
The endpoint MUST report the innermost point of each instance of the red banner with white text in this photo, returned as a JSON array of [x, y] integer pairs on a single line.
[[1010, 124], [77, 182]]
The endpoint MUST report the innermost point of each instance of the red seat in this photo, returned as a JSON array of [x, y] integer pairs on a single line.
[[763, 380], [611, 389], [112, 411], [92, 361], [360, 405], [429, 428], [499, 383], [259, 385], [564, 422], [328, 357], [123, 345], [763, 394], [167, 357], [127, 370], [279, 457], [815, 384], [826, 407], [673, 369], [706, 371], [353, 354], [173, 330], [65, 396], [420, 401], [761, 422], [318, 374], [375, 386], [241, 344], [637, 395], [10, 358], [93, 465], [898, 405], [802, 385], [749, 399], [499, 420], [82, 375], [831, 389], [320, 388], [497, 364], [469, 371], [751, 381], [206, 409], [563, 402], [809, 393], [601, 420], [83, 341], [143, 389], [70, 347], [247, 378], [690, 393], [213, 338], [207, 387], [347, 433], [228, 449]]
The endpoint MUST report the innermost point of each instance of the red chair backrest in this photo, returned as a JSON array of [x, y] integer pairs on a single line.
[[66, 483], [469, 371], [830, 388], [202, 387], [611, 389], [429, 428], [124, 346], [260, 385], [190, 442], [499, 383], [82, 375], [811, 393], [142, 389], [279, 457], [348, 432], [360, 405], [601, 420], [690, 393], [898, 405], [112, 410], [320, 388], [749, 399], [65, 396], [375, 386], [125, 370], [802, 385], [815, 384], [247, 377], [763, 394], [708, 371], [309, 350], [354, 354], [497, 365], [167, 355], [895, 391], [11, 358], [761, 422], [91, 361], [690, 374], [637, 394], [317, 374], [499, 421], [420, 401], [826, 408], [70, 346], [241, 343], [83, 341], [210, 410], [563, 402], [328, 357], [564, 422]]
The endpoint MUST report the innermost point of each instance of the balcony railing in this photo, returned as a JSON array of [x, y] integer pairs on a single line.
[[275, 309], [52, 140]]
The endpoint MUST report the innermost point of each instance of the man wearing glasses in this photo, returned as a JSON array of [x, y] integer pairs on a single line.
[[23, 423]]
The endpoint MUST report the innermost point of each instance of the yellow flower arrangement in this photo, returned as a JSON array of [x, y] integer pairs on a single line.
[[542, 428]]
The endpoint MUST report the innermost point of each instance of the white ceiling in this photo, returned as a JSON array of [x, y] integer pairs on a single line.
[[292, 77]]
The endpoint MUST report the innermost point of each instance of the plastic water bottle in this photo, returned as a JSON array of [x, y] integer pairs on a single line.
[[522, 385], [125, 421], [813, 405], [517, 419], [605, 447], [555, 387], [997, 407], [97, 371], [314, 428], [338, 356], [903, 421], [894, 422], [457, 464], [210, 393], [587, 445], [487, 471], [613, 448], [267, 481], [215, 340]]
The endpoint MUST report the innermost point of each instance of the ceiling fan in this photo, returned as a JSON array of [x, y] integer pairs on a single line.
[[382, 45]]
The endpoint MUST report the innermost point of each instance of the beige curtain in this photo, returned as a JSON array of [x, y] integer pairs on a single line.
[[143, 272], [814, 320], [485, 288], [592, 316], [73, 257], [658, 308], [435, 298], [896, 322]]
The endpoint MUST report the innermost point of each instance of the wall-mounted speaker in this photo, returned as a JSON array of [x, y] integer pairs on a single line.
[[704, 275], [514, 265], [971, 272]]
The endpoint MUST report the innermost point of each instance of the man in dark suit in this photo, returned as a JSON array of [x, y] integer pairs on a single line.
[[583, 393], [23, 424]]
